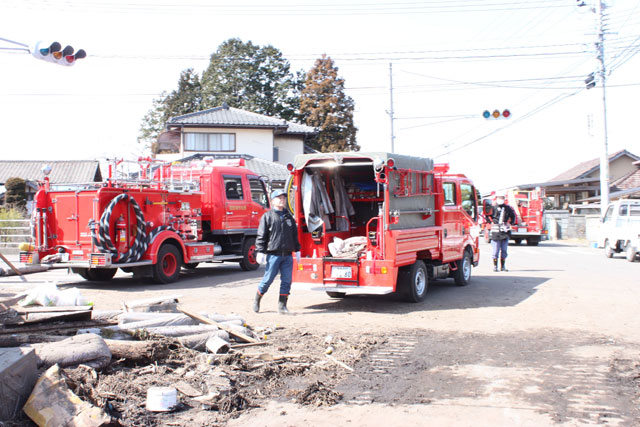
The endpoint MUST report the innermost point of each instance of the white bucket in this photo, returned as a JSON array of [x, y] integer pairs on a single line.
[[161, 399]]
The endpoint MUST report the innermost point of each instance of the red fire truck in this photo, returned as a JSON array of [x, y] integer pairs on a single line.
[[529, 209], [410, 221], [165, 218]]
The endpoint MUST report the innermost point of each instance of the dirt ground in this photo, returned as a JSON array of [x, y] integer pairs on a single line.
[[554, 341]]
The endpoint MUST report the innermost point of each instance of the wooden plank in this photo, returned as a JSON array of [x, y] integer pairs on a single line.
[[57, 327], [15, 270], [208, 321], [250, 344], [39, 309]]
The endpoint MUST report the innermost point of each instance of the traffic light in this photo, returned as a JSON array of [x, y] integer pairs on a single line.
[[496, 114], [53, 52], [590, 81]]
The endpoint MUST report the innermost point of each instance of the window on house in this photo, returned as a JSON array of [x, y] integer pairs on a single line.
[[209, 141], [276, 154]]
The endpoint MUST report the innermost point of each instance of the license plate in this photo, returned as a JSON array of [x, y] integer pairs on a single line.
[[522, 230], [341, 272]]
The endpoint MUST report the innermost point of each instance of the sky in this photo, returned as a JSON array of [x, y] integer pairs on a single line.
[[447, 61]]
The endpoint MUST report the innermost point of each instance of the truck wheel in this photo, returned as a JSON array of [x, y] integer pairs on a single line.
[[462, 275], [336, 294], [608, 250], [414, 280], [533, 241], [631, 252], [249, 262], [190, 265], [96, 274], [518, 241], [167, 267]]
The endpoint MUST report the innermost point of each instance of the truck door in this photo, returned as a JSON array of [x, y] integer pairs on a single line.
[[259, 201], [452, 220], [236, 208]]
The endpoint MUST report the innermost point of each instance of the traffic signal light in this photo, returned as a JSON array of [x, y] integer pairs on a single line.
[[590, 81], [496, 114], [53, 52]]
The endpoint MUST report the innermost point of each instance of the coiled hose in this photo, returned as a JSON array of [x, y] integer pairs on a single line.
[[101, 235]]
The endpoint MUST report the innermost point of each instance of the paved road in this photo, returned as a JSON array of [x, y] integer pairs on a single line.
[[556, 339]]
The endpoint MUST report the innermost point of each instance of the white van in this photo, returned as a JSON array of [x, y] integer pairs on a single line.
[[620, 229]]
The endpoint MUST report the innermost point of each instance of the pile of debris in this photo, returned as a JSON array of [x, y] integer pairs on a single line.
[[156, 363], [84, 342]]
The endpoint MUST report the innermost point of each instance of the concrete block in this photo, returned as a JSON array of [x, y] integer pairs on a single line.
[[18, 375]]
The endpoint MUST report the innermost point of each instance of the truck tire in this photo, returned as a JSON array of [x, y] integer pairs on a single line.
[[249, 262], [190, 265], [96, 274], [167, 267], [533, 241], [518, 241], [414, 281], [336, 294], [631, 252], [608, 250], [462, 275]]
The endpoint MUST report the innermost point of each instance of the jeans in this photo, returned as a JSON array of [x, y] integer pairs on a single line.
[[275, 263], [498, 246]]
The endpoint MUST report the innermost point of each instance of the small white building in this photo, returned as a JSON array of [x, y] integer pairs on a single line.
[[230, 131]]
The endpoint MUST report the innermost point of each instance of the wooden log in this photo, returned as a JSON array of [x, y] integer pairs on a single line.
[[56, 327], [18, 340], [208, 321], [138, 351]]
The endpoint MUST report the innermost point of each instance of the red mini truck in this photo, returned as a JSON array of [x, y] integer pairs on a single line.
[[151, 223], [402, 219]]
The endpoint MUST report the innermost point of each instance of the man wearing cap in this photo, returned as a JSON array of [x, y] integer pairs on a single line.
[[501, 219], [277, 239]]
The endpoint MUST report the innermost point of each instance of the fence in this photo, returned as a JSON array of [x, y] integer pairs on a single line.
[[13, 232]]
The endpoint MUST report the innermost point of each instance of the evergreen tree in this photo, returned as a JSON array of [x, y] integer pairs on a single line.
[[324, 105], [187, 98], [252, 78], [16, 195]]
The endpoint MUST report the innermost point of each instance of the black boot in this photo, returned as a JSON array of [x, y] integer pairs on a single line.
[[502, 263], [256, 302], [495, 264], [282, 304]]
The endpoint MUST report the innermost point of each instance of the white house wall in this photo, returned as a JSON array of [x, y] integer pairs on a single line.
[[255, 142], [288, 148]]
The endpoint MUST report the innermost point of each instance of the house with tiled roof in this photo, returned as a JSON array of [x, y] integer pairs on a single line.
[[62, 172], [581, 183], [226, 130]]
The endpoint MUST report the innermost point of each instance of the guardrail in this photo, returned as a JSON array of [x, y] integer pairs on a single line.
[[13, 232]]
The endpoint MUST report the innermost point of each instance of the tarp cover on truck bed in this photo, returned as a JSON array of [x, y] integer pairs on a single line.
[[410, 208]]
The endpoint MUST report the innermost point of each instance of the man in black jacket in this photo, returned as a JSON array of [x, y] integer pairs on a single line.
[[277, 239], [502, 217]]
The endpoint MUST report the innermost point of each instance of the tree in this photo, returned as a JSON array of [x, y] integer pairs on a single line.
[[16, 195], [324, 105], [252, 78], [187, 98]]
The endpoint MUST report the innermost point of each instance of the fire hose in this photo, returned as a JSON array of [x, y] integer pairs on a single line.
[[101, 232]]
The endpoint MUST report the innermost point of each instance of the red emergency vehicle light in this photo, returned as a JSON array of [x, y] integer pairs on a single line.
[[100, 259], [26, 257]]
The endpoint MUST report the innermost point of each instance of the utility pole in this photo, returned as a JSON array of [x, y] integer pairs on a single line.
[[604, 157], [393, 137]]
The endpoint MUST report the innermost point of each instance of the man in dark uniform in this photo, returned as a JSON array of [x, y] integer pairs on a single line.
[[277, 239], [501, 219]]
